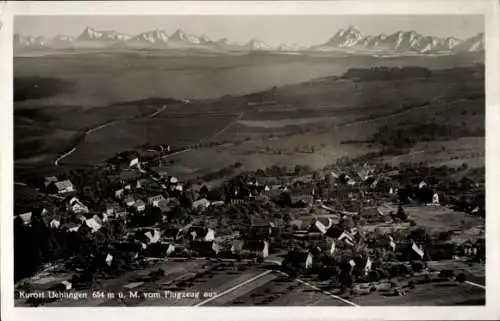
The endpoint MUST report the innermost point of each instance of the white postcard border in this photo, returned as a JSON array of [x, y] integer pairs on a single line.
[[489, 8]]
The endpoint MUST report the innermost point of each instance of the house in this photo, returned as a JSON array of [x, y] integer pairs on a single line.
[[121, 213], [435, 199], [170, 234], [77, 207], [119, 193], [199, 233], [111, 208], [262, 229], [153, 236], [201, 204], [73, 227], [49, 180], [237, 246], [129, 201], [62, 187], [237, 201], [155, 200], [26, 217], [351, 182], [134, 163], [54, 223], [94, 224], [301, 199], [173, 180], [321, 224], [164, 206], [145, 183], [139, 206]]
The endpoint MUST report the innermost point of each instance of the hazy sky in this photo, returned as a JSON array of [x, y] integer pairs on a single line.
[[304, 30]]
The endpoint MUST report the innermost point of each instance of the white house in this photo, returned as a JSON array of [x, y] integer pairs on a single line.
[[119, 193], [55, 223], [134, 162], [26, 218], [155, 200], [93, 224], [64, 187], [67, 285], [77, 207], [435, 199]]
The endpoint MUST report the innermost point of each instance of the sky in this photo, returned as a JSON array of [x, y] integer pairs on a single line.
[[274, 30]]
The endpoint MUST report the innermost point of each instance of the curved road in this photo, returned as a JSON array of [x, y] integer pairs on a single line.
[[94, 129]]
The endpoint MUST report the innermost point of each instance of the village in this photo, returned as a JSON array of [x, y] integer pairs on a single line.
[[349, 229]]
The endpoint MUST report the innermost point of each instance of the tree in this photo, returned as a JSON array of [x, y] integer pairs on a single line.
[[419, 234], [461, 277], [401, 214], [186, 201], [203, 191], [417, 266], [345, 279]]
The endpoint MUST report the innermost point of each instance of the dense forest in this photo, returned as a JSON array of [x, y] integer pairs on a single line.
[[408, 136], [396, 73]]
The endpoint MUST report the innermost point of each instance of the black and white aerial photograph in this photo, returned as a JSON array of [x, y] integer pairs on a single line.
[[249, 160]]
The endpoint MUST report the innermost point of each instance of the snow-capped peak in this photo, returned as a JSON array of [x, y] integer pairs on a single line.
[[154, 36], [29, 41], [204, 39], [181, 36], [345, 38], [292, 47], [90, 34], [256, 44]]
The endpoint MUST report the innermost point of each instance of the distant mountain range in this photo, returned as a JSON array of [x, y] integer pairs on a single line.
[[401, 41], [345, 40]]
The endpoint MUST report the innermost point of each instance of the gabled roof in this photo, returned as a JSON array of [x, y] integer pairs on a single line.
[[139, 203], [156, 197], [63, 184], [50, 179], [201, 203], [26, 217]]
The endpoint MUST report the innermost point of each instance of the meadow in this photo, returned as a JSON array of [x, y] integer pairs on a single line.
[[271, 109]]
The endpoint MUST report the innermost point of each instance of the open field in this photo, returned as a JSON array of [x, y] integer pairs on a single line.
[[281, 291], [443, 219], [435, 294]]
